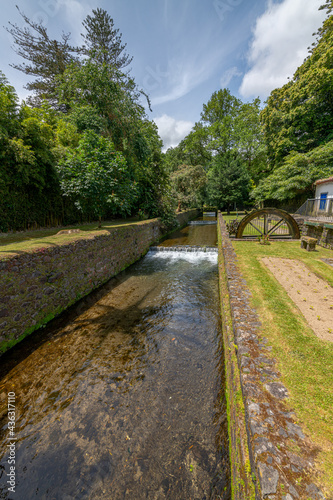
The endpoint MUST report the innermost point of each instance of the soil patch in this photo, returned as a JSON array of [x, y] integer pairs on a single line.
[[312, 295]]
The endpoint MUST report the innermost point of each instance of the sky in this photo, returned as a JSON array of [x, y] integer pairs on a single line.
[[184, 50]]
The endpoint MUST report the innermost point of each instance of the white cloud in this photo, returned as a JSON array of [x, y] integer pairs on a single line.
[[190, 65], [281, 38], [172, 131], [75, 12], [182, 75], [228, 76]]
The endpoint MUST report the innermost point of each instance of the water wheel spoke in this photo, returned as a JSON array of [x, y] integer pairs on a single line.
[[277, 225], [265, 225], [257, 229], [271, 221]]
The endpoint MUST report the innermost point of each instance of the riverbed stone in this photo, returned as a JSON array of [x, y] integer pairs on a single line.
[[269, 478]]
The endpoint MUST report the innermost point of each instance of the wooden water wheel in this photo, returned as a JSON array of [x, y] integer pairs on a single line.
[[269, 223]]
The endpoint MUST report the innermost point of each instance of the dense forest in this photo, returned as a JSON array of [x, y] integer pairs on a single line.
[[83, 148], [250, 154]]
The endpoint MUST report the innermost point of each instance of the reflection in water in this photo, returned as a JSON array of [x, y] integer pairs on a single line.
[[203, 235], [121, 396]]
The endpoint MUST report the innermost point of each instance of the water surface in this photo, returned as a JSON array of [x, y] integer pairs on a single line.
[[122, 396]]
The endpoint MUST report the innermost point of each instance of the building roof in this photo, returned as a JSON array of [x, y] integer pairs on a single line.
[[323, 181]]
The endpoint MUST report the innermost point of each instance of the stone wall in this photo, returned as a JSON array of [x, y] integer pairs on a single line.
[[320, 230], [262, 430], [35, 287]]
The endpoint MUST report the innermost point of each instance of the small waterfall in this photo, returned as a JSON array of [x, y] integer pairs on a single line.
[[202, 222], [193, 254], [184, 248]]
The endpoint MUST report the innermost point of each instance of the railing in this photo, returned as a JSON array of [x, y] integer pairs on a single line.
[[317, 208]]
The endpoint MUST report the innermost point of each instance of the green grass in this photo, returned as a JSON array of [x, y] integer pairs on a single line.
[[28, 241], [305, 362]]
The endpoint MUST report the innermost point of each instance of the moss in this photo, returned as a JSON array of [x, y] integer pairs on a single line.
[[241, 472]]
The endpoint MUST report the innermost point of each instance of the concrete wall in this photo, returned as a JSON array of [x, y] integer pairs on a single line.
[[36, 287]]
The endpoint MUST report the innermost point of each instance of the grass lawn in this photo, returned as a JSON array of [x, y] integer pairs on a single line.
[[233, 215], [305, 362], [27, 241]]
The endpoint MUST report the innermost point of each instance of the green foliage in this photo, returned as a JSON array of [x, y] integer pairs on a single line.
[[228, 181], [188, 185], [29, 188], [87, 117], [219, 115], [299, 115], [89, 122], [47, 58], [194, 148], [95, 177], [229, 132], [250, 140], [103, 41], [297, 174], [101, 98]]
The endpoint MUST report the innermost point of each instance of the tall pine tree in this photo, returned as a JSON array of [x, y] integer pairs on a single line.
[[103, 41], [47, 58]]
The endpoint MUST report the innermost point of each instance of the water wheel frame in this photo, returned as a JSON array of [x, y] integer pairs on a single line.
[[284, 216]]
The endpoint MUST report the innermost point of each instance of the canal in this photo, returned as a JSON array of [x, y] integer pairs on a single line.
[[122, 397]]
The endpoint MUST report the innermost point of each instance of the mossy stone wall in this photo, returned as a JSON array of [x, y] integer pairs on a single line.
[[37, 286]]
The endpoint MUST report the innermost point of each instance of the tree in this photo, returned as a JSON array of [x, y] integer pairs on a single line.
[[195, 148], [47, 58], [116, 101], [219, 116], [96, 178], [297, 175], [29, 187], [228, 181], [298, 124], [103, 41], [299, 116], [250, 140], [188, 185]]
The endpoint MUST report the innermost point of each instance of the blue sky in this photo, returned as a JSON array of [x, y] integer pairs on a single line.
[[184, 50]]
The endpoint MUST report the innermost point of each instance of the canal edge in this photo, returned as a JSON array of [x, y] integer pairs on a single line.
[[262, 429], [243, 483], [37, 286]]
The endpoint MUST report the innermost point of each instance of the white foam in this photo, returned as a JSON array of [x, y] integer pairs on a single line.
[[194, 257]]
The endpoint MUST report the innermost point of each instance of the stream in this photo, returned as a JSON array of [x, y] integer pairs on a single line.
[[122, 396]]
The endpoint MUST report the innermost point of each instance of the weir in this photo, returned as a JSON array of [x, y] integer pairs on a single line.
[[123, 395]]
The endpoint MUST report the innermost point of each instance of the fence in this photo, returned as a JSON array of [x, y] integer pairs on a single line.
[[317, 208]]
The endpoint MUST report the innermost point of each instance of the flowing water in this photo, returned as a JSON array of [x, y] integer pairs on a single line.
[[122, 397]]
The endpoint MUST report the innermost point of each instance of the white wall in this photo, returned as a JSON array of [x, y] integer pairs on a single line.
[[325, 188]]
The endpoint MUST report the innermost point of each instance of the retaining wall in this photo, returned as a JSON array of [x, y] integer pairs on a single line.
[[320, 230], [35, 287], [262, 430]]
